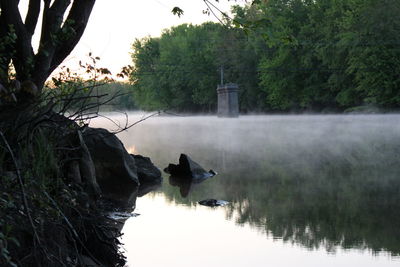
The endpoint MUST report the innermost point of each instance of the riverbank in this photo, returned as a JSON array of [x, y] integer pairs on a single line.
[[55, 194]]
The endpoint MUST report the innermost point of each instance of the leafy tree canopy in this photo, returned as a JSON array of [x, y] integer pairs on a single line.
[[285, 55]]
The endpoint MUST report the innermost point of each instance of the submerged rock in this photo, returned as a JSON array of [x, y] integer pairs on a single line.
[[213, 202], [188, 168]]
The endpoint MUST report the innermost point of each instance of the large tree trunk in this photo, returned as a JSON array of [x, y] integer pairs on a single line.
[[58, 37]]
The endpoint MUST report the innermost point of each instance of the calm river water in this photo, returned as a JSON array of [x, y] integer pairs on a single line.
[[303, 191]]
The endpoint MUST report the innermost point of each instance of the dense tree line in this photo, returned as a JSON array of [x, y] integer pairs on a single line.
[[284, 54], [181, 69]]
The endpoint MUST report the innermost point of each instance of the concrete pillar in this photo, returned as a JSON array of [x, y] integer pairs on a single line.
[[228, 104]]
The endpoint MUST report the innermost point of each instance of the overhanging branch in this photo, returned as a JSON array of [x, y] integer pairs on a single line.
[[78, 18], [32, 16], [52, 20]]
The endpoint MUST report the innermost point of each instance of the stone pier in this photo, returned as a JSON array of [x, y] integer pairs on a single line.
[[228, 104]]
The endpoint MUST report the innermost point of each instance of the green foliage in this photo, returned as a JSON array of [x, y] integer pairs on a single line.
[[373, 30], [177, 11], [44, 165], [146, 52], [66, 32], [6, 238], [180, 70], [7, 51], [5, 258], [339, 54], [40, 170], [286, 55]]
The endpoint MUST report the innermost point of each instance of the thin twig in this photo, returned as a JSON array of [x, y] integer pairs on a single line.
[[223, 13], [212, 11], [139, 121], [173, 114], [111, 120]]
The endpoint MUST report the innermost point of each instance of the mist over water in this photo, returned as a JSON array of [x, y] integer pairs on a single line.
[[323, 183], [285, 141]]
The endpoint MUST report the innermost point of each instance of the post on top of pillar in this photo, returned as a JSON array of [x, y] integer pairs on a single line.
[[228, 104]]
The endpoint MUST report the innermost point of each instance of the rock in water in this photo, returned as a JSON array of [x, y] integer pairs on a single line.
[[149, 175], [116, 170], [213, 202], [146, 171], [188, 168]]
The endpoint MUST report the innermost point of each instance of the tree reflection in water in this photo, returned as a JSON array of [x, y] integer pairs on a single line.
[[318, 201]]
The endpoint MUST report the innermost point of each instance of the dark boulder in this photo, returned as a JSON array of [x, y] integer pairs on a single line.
[[188, 168], [149, 175], [87, 169], [116, 171], [146, 171]]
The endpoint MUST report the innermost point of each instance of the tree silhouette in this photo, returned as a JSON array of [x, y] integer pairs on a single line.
[[62, 26]]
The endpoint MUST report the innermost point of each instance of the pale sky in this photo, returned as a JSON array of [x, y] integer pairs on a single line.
[[114, 25]]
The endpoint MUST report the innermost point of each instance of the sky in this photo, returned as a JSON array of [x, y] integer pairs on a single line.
[[114, 25]]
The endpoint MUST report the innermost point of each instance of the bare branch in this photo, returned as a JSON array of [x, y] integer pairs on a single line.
[[212, 11], [79, 17], [139, 121], [52, 20]]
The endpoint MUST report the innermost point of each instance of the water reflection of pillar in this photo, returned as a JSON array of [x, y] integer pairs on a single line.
[[224, 141]]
